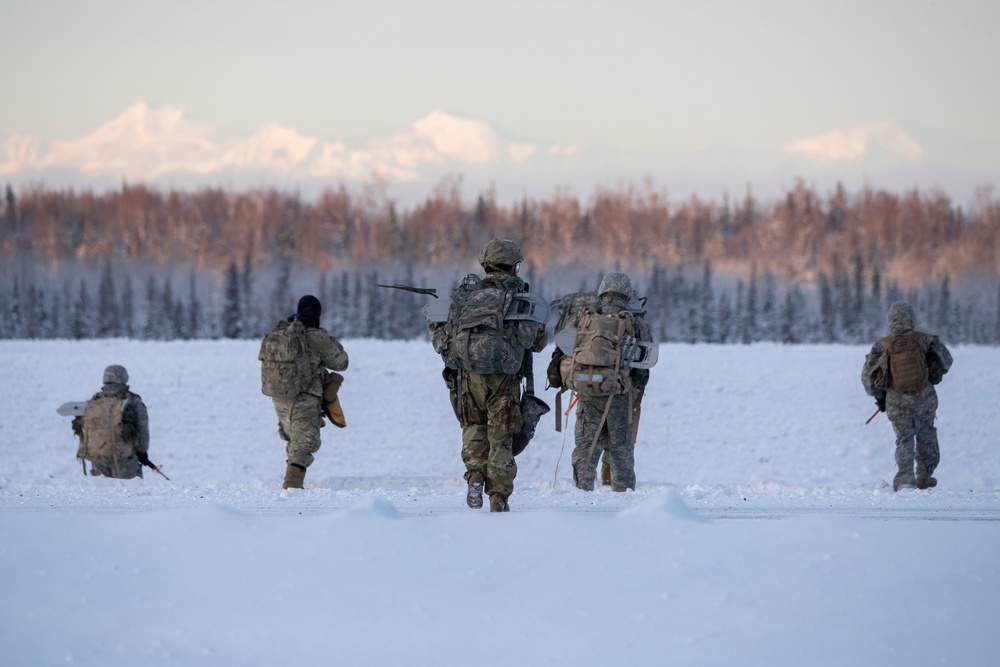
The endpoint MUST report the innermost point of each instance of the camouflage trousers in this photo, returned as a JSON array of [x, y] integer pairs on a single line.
[[912, 416], [615, 436], [123, 469], [490, 417], [299, 422]]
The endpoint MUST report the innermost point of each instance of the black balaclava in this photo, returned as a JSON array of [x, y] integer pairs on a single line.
[[309, 311]]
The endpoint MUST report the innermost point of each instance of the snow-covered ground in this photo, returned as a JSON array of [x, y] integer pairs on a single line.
[[763, 529]]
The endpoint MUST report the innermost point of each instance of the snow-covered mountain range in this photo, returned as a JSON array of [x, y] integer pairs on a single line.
[[163, 145]]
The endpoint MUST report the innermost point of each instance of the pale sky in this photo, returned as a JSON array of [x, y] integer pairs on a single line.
[[632, 74]]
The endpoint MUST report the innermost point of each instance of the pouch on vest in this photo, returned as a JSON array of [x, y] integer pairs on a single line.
[[284, 370]]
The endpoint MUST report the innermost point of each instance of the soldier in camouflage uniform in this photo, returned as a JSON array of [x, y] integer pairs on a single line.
[[488, 405], [912, 412], [300, 418], [596, 432], [134, 428]]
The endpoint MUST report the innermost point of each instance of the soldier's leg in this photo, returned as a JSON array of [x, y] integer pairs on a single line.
[[475, 445], [622, 451], [504, 420], [585, 453], [125, 469], [905, 429], [304, 418], [927, 453], [475, 448]]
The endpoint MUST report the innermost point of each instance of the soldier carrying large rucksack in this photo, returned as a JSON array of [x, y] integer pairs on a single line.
[[114, 429], [900, 371], [486, 342], [294, 357], [603, 349], [605, 362]]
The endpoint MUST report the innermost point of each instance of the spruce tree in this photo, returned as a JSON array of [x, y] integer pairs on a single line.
[[232, 307]]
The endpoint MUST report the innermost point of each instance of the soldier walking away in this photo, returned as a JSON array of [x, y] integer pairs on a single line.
[[900, 371], [294, 357], [609, 392], [485, 349], [114, 429]]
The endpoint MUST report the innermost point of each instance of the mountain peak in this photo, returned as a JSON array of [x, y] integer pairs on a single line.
[[854, 143]]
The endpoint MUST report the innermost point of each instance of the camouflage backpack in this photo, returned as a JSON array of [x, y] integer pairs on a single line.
[[570, 305], [907, 362], [284, 369], [104, 431], [480, 338], [596, 363]]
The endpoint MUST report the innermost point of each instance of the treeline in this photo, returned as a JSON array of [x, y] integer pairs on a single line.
[[912, 238], [142, 263]]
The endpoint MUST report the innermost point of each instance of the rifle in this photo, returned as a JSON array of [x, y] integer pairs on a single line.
[[157, 469], [874, 414], [417, 290], [144, 460]]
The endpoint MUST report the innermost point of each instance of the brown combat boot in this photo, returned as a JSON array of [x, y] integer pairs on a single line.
[[295, 475], [474, 496], [926, 482], [498, 503], [605, 473]]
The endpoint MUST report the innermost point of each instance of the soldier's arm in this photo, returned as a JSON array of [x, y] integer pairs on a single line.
[[643, 330], [541, 340], [439, 336], [138, 422], [873, 372], [942, 352], [331, 353]]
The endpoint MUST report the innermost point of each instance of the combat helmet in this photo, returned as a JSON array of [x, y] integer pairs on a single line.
[[616, 282], [500, 253], [115, 375]]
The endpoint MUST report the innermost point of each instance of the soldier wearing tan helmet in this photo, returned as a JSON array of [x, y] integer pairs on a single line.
[[604, 420], [483, 371], [114, 429]]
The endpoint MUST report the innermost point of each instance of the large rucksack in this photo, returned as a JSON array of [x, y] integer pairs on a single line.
[[104, 431], [596, 362], [481, 336], [907, 362], [284, 368]]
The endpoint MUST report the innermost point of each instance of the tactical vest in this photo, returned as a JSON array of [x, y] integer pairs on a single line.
[[285, 371], [596, 362], [907, 362], [103, 438], [480, 338]]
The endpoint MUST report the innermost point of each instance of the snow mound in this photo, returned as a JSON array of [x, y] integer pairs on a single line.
[[669, 502], [374, 507]]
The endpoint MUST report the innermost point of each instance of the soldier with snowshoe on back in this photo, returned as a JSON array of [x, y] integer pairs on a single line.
[[609, 388], [485, 345], [294, 356], [900, 371], [114, 429]]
